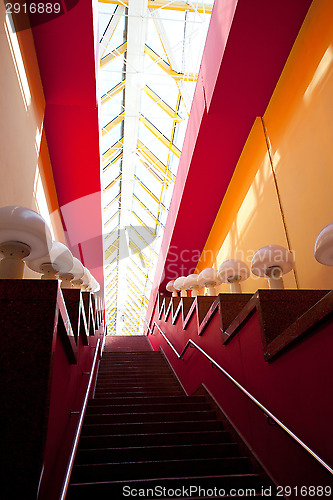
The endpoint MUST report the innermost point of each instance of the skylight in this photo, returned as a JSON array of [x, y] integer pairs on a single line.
[[150, 54]]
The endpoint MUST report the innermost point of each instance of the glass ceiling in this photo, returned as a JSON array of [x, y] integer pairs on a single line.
[[150, 54]]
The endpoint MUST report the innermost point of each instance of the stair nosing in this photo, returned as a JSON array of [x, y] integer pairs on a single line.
[[156, 447], [180, 460], [182, 478]]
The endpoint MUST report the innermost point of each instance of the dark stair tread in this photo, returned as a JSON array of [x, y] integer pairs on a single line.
[[135, 373], [111, 418], [82, 491], [146, 408], [197, 467], [123, 385], [147, 399], [133, 427], [142, 389], [158, 438], [211, 450]]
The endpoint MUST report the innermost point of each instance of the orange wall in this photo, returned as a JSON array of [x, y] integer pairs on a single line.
[[299, 127], [23, 148]]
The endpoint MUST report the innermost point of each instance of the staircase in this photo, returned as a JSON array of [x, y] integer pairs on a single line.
[[141, 431]]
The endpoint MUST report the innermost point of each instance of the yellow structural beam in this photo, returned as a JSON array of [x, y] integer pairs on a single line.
[[114, 91], [112, 202], [111, 219], [113, 123], [187, 77], [109, 251], [157, 133], [109, 236], [135, 287], [142, 238], [137, 251], [136, 276], [112, 183], [143, 224], [148, 211], [202, 8], [113, 151], [155, 162], [112, 162], [162, 104], [138, 267], [112, 55], [149, 192]]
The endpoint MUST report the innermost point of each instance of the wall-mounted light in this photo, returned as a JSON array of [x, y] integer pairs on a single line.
[[179, 285], [208, 278], [170, 288], [84, 282], [59, 259], [24, 235], [191, 283], [272, 262], [233, 271], [75, 273], [323, 249]]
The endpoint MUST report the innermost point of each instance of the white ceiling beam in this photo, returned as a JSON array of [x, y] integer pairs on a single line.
[[164, 40]]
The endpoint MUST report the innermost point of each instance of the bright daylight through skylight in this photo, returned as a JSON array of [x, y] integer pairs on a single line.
[[150, 55]]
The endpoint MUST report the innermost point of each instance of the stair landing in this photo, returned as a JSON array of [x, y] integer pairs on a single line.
[[127, 343]]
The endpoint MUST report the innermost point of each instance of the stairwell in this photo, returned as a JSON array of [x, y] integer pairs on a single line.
[[142, 436]]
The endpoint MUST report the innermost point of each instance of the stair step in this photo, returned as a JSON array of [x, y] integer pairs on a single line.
[[154, 439], [122, 357], [134, 350], [140, 391], [141, 431], [180, 416], [149, 427], [145, 408], [115, 489], [155, 399], [137, 381], [128, 365], [131, 373], [152, 469], [148, 453]]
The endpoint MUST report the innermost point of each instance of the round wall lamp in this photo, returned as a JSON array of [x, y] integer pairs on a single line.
[[58, 260], [75, 273], [83, 282], [272, 262], [95, 286], [179, 285], [191, 283], [233, 271], [170, 288], [24, 235], [208, 278], [323, 249]]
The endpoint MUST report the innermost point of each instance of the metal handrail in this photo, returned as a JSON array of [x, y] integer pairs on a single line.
[[79, 427], [252, 398]]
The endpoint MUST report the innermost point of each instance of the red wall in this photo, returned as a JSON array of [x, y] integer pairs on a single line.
[[295, 386]]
